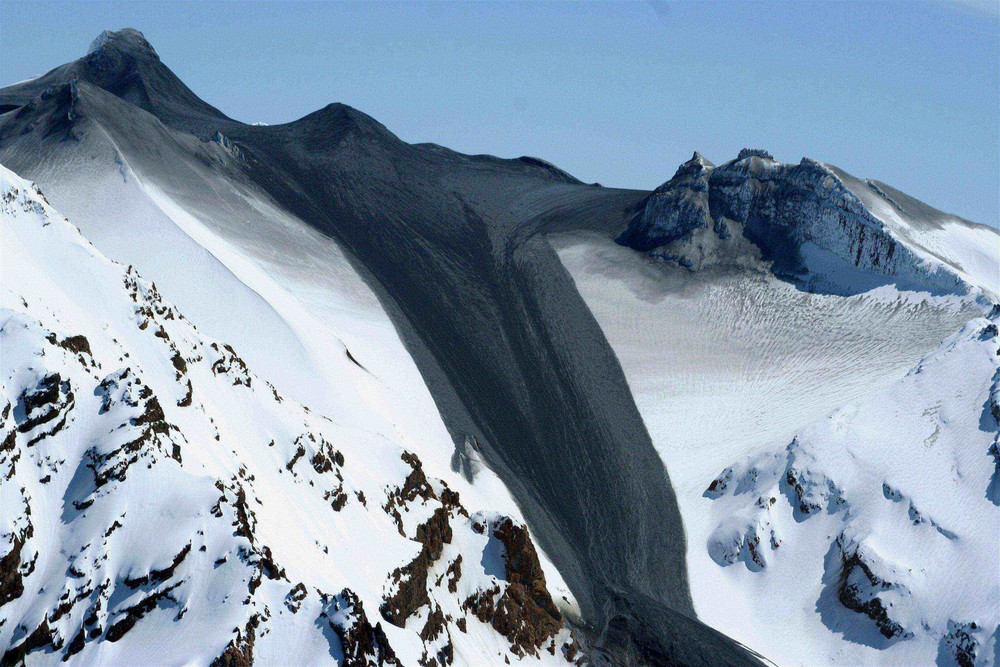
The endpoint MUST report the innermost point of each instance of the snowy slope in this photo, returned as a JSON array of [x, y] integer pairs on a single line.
[[248, 272], [885, 514], [968, 249], [724, 358], [241, 267], [162, 504]]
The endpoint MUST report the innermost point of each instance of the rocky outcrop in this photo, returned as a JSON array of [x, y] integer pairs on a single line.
[[867, 592], [674, 210], [124, 396], [963, 642], [11, 574], [48, 404], [127, 618], [239, 652], [411, 580], [39, 638], [410, 583], [747, 538], [749, 534], [801, 218], [362, 644], [522, 611]]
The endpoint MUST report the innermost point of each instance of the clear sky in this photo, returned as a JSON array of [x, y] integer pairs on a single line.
[[620, 93]]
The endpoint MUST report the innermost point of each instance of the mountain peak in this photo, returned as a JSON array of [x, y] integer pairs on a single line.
[[128, 40], [337, 119], [124, 63], [698, 160], [696, 167], [754, 152], [783, 208]]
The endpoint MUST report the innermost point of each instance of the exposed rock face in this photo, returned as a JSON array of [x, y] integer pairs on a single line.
[[674, 210], [239, 652], [362, 644], [524, 572], [864, 591], [411, 592], [964, 642], [754, 152], [802, 218], [48, 404], [523, 612], [40, 638], [128, 38], [11, 576], [518, 606]]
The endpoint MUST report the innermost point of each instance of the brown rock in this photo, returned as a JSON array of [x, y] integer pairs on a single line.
[[361, 644], [524, 613]]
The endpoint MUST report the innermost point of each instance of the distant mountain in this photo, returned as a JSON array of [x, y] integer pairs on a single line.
[[478, 313], [816, 224], [126, 65]]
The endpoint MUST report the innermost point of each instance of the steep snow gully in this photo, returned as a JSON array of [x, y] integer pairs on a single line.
[[457, 250]]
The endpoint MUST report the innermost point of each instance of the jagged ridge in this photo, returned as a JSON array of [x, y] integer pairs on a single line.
[[803, 219]]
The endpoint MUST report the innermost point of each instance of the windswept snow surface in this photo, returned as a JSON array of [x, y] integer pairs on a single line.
[[728, 360], [162, 504], [885, 514]]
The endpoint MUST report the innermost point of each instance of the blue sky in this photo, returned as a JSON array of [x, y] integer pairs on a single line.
[[620, 93]]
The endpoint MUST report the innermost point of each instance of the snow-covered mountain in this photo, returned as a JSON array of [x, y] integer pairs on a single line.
[[814, 224], [316, 244], [781, 329], [484, 345], [163, 504]]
